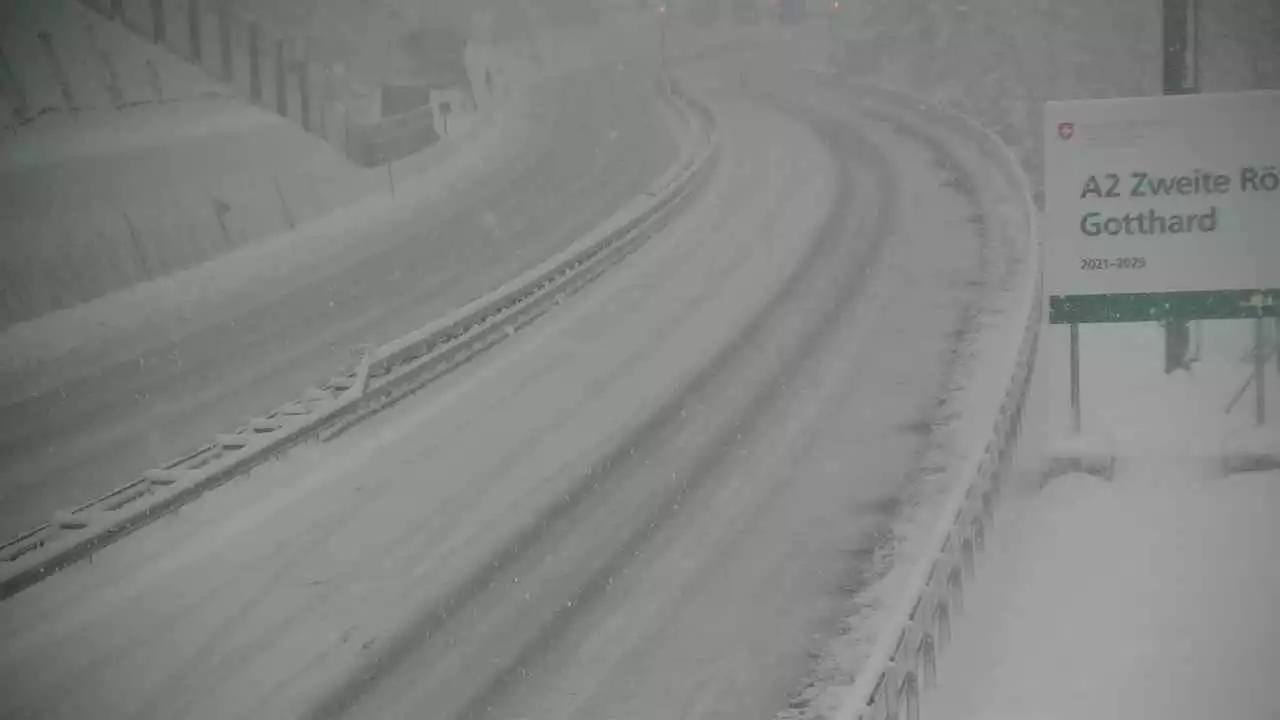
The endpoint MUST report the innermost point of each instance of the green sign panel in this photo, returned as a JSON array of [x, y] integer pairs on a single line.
[[1150, 307], [1162, 207]]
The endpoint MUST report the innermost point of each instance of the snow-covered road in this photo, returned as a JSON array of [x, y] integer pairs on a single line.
[[645, 506], [74, 427]]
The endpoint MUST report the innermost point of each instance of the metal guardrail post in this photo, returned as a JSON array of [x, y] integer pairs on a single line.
[[1260, 370]]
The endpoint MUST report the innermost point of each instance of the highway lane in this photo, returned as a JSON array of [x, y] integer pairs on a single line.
[[261, 598], [644, 506], [597, 139], [696, 576]]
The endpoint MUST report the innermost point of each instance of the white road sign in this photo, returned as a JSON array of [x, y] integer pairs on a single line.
[[1163, 194]]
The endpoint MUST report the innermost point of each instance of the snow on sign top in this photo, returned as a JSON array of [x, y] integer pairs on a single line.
[[1162, 194]]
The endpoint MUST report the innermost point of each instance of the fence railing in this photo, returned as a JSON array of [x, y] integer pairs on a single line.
[[1268, 350]]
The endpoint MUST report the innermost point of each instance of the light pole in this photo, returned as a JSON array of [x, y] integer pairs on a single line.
[[1260, 302], [662, 38]]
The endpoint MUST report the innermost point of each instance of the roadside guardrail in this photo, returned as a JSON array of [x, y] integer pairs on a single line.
[[903, 661], [384, 376]]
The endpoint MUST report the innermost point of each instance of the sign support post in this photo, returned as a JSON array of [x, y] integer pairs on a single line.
[[1181, 77], [1075, 378], [1259, 371], [1260, 302]]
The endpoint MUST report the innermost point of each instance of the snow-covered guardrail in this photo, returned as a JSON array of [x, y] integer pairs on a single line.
[[384, 375], [903, 661]]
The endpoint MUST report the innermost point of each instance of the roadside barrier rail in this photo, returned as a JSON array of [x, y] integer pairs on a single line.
[[383, 376], [903, 662]]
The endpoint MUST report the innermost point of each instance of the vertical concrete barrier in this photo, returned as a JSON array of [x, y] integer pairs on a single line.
[[282, 91], [255, 64], [224, 40], [157, 22], [195, 37]]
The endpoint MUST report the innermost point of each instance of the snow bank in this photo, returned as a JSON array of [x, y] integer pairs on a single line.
[[63, 60], [1126, 397], [1093, 455], [105, 201], [1150, 597], [1252, 451], [168, 301], [112, 198], [98, 134]]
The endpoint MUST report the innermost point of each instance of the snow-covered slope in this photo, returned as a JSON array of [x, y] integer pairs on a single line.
[[1150, 596], [95, 205], [63, 59], [111, 195]]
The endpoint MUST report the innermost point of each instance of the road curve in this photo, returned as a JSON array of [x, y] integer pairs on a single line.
[[642, 507], [690, 579], [597, 140]]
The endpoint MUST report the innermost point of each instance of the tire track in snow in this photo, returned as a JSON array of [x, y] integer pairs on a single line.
[[616, 503]]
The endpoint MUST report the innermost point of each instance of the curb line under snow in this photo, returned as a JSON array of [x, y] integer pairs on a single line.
[[384, 376], [903, 660]]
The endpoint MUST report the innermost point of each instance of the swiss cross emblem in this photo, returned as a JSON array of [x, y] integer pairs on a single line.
[[1066, 130]]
